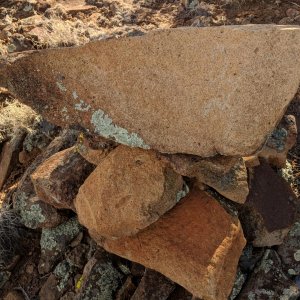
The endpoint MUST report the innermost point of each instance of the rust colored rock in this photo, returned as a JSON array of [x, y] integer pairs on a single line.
[[10, 154], [57, 180], [196, 244], [199, 91], [227, 175], [127, 192], [270, 208], [282, 139]]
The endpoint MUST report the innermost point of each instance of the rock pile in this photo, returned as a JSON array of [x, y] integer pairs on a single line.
[[167, 162]]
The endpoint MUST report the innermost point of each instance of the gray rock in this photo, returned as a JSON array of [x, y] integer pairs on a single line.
[[54, 242], [269, 282]]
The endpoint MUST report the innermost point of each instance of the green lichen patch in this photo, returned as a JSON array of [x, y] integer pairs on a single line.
[[57, 238], [102, 282], [105, 127]]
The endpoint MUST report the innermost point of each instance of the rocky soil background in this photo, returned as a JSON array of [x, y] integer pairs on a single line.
[[46, 253]]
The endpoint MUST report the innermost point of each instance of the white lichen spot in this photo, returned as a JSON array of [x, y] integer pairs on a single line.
[[74, 94], [64, 110], [182, 193], [105, 127], [82, 106], [297, 255], [292, 272], [61, 86]]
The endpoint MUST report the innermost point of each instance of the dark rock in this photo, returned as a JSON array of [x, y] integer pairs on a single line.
[[289, 251], [100, 280], [25, 191], [49, 290], [180, 294], [269, 282], [282, 139], [270, 209], [54, 242], [153, 286], [127, 290], [10, 155], [38, 214], [58, 179]]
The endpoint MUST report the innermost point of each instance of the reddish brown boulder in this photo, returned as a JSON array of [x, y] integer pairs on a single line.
[[130, 189], [270, 208], [196, 244], [57, 180], [172, 90]]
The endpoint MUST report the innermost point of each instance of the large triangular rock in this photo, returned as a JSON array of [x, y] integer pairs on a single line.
[[200, 91]]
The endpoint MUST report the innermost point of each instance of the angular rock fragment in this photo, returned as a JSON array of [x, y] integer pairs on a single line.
[[54, 242], [270, 208], [153, 286], [227, 175], [10, 154], [196, 244], [57, 180], [269, 282], [165, 90], [38, 214], [282, 139], [100, 279], [289, 251], [129, 190]]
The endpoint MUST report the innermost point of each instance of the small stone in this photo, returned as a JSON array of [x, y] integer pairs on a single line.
[[153, 286], [270, 208], [282, 139], [38, 214], [227, 175], [292, 12], [54, 242], [127, 192], [49, 289], [100, 279], [14, 295], [269, 282], [196, 244], [57, 180], [10, 154], [289, 250], [127, 290]]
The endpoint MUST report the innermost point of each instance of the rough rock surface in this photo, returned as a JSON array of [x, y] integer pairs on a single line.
[[282, 139], [57, 180], [100, 279], [270, 208], [269, 282], [153, 286], [227, 175], [138, 95], [10, 154], [129, 190], [289, 251], [54, 242], [196, 244]]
